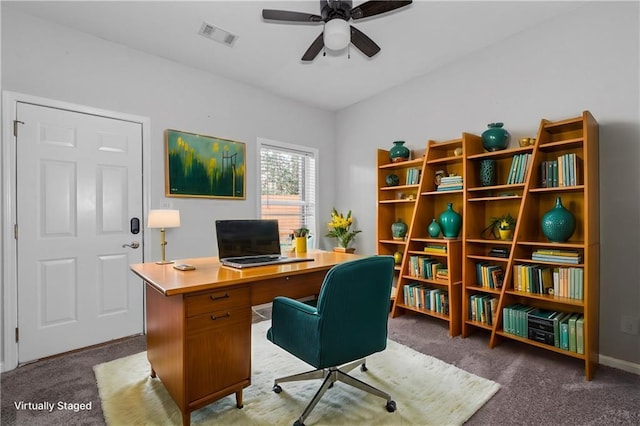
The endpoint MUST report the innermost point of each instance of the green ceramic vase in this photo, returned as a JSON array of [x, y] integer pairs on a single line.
[[558, 224], [450, 222], [398, 152], [495, 138], [399, 230]]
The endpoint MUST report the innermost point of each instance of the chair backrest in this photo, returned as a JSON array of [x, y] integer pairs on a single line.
[[353, 306]]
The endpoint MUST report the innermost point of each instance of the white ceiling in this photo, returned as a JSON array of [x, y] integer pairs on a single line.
[[414, 40]]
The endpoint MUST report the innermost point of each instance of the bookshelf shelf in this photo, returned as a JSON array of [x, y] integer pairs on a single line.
[[540, 345]]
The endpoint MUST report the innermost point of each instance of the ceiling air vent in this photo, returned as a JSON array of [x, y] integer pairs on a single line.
[[217, 34]]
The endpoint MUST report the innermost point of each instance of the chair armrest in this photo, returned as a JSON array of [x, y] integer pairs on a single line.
[[294, 327]]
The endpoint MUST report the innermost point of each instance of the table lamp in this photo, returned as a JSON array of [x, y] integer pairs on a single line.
[[163, 219]]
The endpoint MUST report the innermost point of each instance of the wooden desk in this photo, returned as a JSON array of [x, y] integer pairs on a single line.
[[199, 322]]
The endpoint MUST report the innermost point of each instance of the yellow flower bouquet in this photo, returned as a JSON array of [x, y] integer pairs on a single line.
[[340, 228]]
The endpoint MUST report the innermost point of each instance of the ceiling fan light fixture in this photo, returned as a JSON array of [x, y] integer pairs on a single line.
[[336, 34]]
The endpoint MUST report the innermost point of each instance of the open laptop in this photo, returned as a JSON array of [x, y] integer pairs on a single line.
[[247, 243]]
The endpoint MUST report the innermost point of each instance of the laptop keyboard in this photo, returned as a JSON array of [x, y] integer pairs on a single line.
[[259, 259]]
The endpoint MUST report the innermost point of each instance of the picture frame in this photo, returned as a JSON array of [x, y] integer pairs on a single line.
[[201, 166]]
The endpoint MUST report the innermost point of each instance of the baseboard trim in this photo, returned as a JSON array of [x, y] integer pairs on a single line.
[[620, 364]]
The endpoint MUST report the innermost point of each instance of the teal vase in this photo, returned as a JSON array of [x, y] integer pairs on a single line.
[[450, 222], [495, 138], [558, 224], [392, 180], [433, 229], [398, 152], [488, 172], [399, 230]]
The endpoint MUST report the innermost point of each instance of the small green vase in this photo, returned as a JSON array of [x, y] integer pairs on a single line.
[[433, 229], [450, 222], [558, 224], [399, 230], [398, 152], [392, 180]]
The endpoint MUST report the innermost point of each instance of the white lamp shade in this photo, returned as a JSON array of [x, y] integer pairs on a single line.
[[337, 34], [163, 219]]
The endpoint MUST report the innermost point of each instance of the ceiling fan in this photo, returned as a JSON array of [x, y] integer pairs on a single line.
[[335, 15]]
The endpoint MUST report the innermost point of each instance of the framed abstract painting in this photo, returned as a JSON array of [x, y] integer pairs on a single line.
[[204, 166]]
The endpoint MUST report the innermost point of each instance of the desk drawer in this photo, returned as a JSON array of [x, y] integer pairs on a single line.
[[221, 318], [217, 300]]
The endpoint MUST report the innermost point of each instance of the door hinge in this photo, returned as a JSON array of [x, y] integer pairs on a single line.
[[17, 335], [15, 231], [15, 127]]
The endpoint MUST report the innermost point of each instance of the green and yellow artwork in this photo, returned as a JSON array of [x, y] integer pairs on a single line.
[[203, 166]]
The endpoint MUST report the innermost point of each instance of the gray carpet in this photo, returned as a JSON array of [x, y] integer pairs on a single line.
[[538, 387]]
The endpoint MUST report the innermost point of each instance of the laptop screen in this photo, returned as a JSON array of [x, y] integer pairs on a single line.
[[237, 238]]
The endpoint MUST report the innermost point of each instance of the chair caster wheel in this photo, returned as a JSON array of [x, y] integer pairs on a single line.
[[363, 367], [391, 406], [298, 423], [276, 388]]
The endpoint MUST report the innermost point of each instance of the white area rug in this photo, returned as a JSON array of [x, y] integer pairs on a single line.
[[426, 390]]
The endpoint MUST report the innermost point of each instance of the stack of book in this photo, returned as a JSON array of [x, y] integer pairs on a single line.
[[435, 248], [483, 308], [561, 281], [563, 330], [413, 176], [417, 295], [424, 267], [499, 252], [560, 256], [518, 169], [450, 183], [532, 278], [560, 172], [489, 275]]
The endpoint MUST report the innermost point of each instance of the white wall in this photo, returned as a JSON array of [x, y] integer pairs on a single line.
[[42, 59], [586, 60]]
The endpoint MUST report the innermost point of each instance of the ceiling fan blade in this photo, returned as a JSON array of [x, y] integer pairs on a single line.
[[375, 7], [314, 49], [364, 43], [285, 15]]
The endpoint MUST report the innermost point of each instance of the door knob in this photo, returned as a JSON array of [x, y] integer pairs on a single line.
[[133, 245]]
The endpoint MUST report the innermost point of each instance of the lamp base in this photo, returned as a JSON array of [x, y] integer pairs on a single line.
[[164, 262]]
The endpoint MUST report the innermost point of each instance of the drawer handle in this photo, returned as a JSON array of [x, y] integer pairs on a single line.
[[214, 297], [213, 317]]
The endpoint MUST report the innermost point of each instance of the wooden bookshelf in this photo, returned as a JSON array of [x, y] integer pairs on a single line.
[[440, 156], [528, 202]]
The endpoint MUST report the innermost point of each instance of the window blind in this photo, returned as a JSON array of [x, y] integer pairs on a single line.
[[288, 188]]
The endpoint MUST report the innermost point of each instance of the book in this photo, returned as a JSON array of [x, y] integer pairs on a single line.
[[572, 332], [556, 328], [580, 335], [497, 275], [564, 332]]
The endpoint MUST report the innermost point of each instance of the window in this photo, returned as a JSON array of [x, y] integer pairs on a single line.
[[288, 186]]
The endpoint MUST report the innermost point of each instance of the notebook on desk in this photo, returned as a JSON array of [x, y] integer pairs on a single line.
[[246, 243]]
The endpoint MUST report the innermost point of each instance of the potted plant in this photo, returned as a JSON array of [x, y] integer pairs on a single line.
[[300, 236], [501, 227], [340, 228]]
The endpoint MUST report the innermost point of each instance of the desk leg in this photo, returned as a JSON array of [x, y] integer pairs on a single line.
[[239, 403], [186, 419]]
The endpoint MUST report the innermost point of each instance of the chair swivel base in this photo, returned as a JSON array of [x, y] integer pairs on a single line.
[[330, 376]]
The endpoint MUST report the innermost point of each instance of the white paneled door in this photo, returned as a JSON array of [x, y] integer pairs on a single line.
[[79, 185]]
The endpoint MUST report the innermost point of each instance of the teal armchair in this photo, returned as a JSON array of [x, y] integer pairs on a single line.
[[348, 323]]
